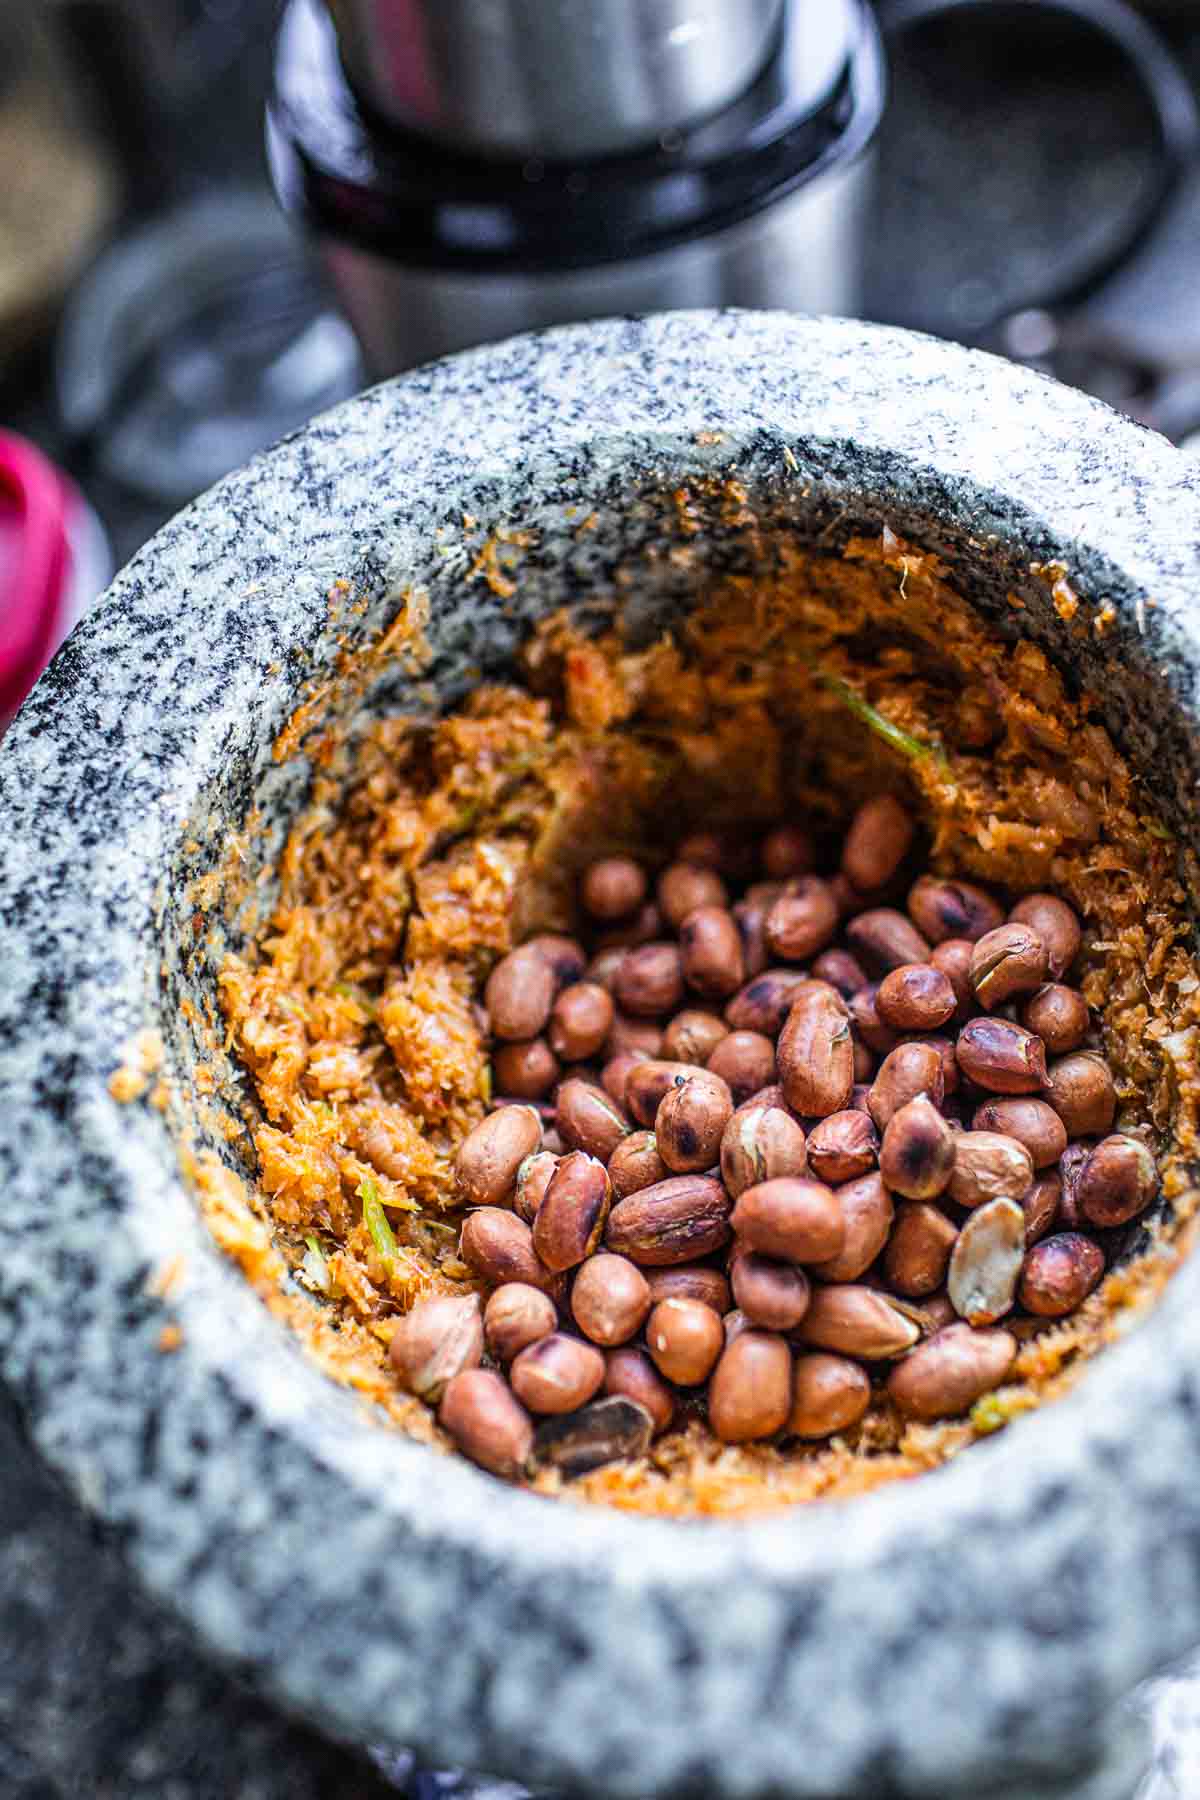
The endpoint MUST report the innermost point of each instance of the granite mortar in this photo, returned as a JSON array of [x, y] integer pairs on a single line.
[[962, 1633]]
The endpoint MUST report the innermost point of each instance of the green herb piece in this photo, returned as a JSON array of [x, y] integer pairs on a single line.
[[376, 1220], [989, 1414], [903, 741]]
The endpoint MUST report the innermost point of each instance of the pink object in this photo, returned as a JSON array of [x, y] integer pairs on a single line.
[[51, 553]]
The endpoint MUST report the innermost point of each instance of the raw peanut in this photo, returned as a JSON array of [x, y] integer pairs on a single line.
[[613, 887], [800, 1221], [650, 980], [570, 1221], [858, 1098], [864, 1062], [1055, 924], [630, 1373], [533, 1178], [565, 955], [1059, 1015], [437, 1340], [750, 1395], [685, 886], [692, 1036], [762, 1143], [841, 970], [515, 1316], [989, 1166], [829, 1394], [695, 1281], [519, 994], [633, 1037], [815, 1053], [641, 927], [751, 922], [856, 1321], [770, 1293], [950, 1371], [867, 1021], [604, 965], [646, 1085], [1117, 1182], [1001, 1057], [763, 1004], [877, 842], [556, 1374], [883, 939], [480, 1413], [616, 1429], [684, 1338], [711, 950], [745, 1061], [1008, 961], [525, 1071], [590, 1119], [905, 1072], [1059, 1274], [636, 1164], [1080, 1089], [953, 958], [553, 1142], [674, 1221], [615, 1073], [1070, 1168], [842, 1146], [690, 1121], [918, 1252], [498, 1247], [580, 1021], [489, 1156], [916, 1157], [787, 851], [942, 910], [735, 1322], [1031, 1122], [610, 1299], [915, 997], [985, 1264], [867, 1215], [1040, 1204], [802, 920]]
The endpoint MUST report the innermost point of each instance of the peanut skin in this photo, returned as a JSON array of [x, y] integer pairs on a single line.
[[815, 1053], [950, 1371]]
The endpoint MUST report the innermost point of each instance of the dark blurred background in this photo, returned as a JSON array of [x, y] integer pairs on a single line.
[[1031, 187]]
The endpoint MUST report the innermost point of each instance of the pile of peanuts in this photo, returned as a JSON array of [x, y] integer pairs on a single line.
[[766, 1156]]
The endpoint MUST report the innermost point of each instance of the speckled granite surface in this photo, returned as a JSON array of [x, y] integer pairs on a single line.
[[949, 1635]]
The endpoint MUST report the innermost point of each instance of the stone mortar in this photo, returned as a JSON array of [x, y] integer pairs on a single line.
[[968, 1630]]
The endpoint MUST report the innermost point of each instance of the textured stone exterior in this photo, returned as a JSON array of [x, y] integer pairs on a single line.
[[947, 1636]]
